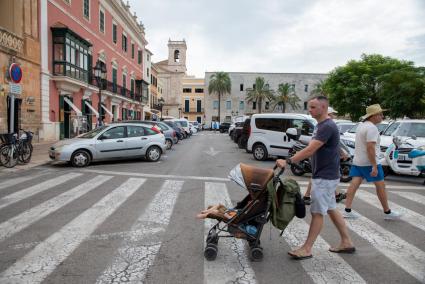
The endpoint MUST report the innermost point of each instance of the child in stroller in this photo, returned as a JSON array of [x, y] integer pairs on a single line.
[[247, 219]]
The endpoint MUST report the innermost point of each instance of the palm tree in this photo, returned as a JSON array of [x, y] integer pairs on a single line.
[[221, 84], [286, 95], [260, 92], [319, 89]]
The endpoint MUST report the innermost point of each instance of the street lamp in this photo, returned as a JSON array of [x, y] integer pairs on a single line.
[[161, 104], [100, 76]]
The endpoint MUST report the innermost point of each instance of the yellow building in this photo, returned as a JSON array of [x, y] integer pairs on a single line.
[[193, 99], [19, 58]]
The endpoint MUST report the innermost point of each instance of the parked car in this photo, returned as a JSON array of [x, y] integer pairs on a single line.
[[115, 141], [237, 131], [268, 133], [196, 124], [345, 126], [403, 129], [184, 124], [179, 131], [243, 138], [192, 128], [224, 127], [235, 120]]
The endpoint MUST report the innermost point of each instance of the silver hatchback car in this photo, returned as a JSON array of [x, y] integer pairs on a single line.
[[114, 141]]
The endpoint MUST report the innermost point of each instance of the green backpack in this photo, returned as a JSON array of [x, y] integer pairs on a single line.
[[283, 196]]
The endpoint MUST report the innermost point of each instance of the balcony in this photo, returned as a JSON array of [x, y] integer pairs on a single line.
[[193, 110], [120, 90]]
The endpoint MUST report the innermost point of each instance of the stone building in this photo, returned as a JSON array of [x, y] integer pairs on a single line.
[[171, 73], [192, 98], [235, 103], [19, 44]]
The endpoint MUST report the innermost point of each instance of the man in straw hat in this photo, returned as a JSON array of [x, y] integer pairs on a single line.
[[366, 162]]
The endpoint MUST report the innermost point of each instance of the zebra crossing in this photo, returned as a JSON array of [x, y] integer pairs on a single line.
[[143, 245]]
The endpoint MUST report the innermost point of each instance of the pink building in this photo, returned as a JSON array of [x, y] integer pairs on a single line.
[[76, 36]]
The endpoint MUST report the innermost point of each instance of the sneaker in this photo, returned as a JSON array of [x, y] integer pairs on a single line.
[[394, 215], [307, 200], [340, 196], [350, 215]]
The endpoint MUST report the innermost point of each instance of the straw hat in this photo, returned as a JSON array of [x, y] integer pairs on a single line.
[[331, 110], [372, 110]]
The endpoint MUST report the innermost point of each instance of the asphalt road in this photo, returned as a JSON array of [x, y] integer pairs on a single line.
[[134, 221]]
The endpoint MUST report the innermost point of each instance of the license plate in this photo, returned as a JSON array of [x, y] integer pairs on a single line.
[[403, 158]]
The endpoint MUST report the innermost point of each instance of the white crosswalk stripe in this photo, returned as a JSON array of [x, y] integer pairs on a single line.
[[138, 252], [325, 266], [416, 197], [34, 214], [33, 190], [232, 264], [18, 180], [35, 266]]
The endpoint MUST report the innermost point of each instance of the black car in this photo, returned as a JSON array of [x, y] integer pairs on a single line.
[[246, 131], [224, 127], [237, 131]]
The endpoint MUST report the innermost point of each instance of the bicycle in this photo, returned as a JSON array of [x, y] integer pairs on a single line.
[[15, 150]]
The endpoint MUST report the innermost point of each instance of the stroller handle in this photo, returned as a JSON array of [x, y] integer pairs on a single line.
[[282, 170]]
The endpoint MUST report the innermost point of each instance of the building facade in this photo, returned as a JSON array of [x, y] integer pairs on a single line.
[[76, 37], [193, 98], [171, 73], [19, 58], [235, 103]]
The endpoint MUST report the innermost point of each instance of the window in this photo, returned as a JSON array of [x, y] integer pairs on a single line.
[[176, 56], [305, 105], [215, 104], [228, 104], [199, 90], [186, 105], [86, 9], [124, 81], [292, 87], [114, 80], [267, 105], [102, 21], [241, 87], [135, 131], [148, 57], [132, 51], [272, 124], [241, 105], [253, 86], [139, 57], [147, 72], [306, 88], [124, 43], [114, 133], [187, 90], [132, 87], [254, 105], [305, 127], [114, 33], [198, 106]]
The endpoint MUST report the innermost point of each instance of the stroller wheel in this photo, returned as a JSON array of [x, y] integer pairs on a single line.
[[257, 254], [210, 252]]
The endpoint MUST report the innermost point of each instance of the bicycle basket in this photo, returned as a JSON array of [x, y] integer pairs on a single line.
[[7, 138]]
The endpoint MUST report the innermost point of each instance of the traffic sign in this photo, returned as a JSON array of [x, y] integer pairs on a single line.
[[15, 89], [15, 73]]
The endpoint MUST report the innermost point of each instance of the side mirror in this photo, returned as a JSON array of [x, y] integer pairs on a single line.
[[293, 133], [414, 137], [101, 137]]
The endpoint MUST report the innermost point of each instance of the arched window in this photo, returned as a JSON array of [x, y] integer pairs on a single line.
[[176, 56]]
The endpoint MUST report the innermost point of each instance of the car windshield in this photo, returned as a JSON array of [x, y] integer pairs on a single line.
[[353, 129], [183, 123], [93, 133], [382, 126], [410, 129], [344, 127], [390, 129]]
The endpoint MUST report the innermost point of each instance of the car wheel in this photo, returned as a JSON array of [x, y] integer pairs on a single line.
[[259, 152], [169, 143], [240, 143], [80, 159], [153, 154]]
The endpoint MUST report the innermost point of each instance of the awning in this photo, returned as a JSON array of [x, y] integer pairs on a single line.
[[107, 110], [92, 108], [74, 107]]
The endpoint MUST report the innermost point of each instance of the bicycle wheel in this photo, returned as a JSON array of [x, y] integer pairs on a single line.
[[9, 156], [25, 152]]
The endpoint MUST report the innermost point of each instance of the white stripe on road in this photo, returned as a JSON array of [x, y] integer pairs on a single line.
[[405, 255], [325, 266], [368, 185], [409, 216], [35, 266], [137, 253], [30, 216], [15, 181], [413, 196], [33, 190], [156, 175], [232, 264]]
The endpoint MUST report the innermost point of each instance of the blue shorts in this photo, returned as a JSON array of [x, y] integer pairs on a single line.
[[364, 172]]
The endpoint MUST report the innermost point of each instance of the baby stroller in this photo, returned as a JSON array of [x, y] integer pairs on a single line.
[[247, 219]]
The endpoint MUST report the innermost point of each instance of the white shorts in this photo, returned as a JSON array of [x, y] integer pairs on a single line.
[[323, 195]]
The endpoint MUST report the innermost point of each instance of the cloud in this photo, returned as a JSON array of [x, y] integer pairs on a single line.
[[311, 36]]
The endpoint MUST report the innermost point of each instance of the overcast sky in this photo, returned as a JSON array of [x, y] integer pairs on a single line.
[[301, 36]]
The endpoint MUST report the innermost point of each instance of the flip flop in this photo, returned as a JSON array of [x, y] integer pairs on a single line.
[[343, 250], [299, 257]]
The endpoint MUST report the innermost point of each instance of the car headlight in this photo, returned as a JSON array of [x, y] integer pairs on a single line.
[[422, 148], [349, 143]]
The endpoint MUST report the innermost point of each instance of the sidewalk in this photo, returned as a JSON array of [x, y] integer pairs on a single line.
[[39, 156]]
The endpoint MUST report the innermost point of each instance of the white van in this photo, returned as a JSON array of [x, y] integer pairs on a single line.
[[184, 123], [268, 133]]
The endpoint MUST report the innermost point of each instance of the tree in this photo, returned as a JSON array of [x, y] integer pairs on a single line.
[[319, 89], [259, 93], [286, 95], [221, 84], [351, 88]]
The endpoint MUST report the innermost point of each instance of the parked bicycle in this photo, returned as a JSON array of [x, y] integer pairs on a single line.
[[14, 150]]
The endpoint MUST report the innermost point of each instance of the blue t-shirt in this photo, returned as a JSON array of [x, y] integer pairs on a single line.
[[325, 162]]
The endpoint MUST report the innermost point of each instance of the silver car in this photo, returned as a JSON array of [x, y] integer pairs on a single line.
[[111, 142]]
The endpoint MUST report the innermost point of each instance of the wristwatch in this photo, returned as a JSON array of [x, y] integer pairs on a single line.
[[288, 161]]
